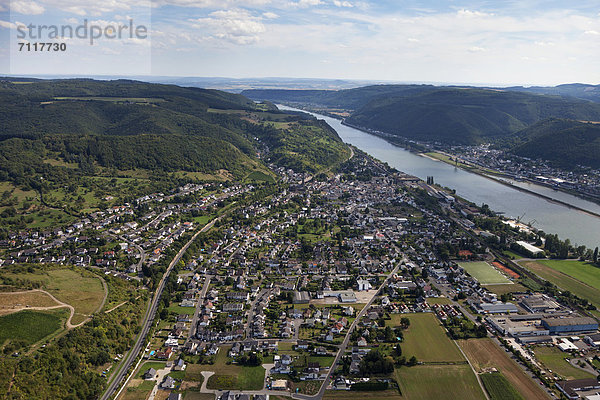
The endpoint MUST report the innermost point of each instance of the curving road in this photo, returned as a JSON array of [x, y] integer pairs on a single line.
[[122, 370]]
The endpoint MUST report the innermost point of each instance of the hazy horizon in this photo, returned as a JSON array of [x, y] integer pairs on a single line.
[[499, 43]]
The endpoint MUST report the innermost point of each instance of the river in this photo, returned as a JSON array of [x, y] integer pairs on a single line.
[[579, 227]]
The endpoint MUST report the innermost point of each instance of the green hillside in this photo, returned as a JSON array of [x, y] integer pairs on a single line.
[[453, 115], [60, 136], [564, 142]]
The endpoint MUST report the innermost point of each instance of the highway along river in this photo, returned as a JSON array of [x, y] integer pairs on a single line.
[[578, 226]]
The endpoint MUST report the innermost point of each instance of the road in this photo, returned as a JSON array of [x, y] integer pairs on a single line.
[[194, 324], [344, 344], [122, 370]]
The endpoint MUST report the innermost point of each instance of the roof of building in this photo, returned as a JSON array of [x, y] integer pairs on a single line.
[[570, 387], [569, 321]]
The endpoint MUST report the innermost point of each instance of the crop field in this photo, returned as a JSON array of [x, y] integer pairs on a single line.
[[348, 395], [498, 387], [484, 354], [484, 272], [28, 327], [446, 382], [578, 277], [555, 360], [426, 339], [504, 288]]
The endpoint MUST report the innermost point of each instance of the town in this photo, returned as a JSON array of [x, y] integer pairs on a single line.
[[322, 285]]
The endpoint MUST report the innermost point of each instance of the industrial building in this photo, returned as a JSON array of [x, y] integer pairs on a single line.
[[301, 297], [539, 303], [574, 389], [495, 308], [567, 325]]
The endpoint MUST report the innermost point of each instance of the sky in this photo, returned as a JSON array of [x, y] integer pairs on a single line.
[[528, 42]]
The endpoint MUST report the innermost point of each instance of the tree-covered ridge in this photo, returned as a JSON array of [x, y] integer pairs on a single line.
[[133, 125], [564, 142], [453, 115]]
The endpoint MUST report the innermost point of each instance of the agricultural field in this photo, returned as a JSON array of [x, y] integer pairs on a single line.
[[554, 359], [348, 395], [498, 388], [426, 339], [484, 273], [578, 277], [485, 354], [28, 327], [504, 288], [446, 382]]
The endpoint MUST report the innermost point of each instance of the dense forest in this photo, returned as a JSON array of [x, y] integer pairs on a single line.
[[128, 125], [564, 142]]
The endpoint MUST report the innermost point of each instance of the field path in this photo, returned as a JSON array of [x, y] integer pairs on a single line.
[[485, 393], [59, 304]]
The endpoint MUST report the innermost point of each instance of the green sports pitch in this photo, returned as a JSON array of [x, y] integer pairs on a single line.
[[484, 272]]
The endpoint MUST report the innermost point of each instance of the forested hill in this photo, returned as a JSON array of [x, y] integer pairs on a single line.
[[453, 115], [60, 129], [564, 142]]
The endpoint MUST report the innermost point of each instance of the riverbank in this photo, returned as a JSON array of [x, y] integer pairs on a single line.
[[485, 174], [546, 215], [445, 157]]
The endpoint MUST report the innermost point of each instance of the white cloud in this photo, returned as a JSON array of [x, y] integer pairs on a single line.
[[236, 26], [413, 40], [339, 3], [270, 15], [473, 14], [26, 7], [304, 3], [477, 49], [592, 32], [7, 25]]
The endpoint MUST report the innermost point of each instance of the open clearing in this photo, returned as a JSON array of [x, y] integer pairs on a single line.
[[230, 376], [446, 382], [426, 339], [29, 327], [484, 272], [554, 359], [15, 301], [577, 277], [483, 353], [83, 290]]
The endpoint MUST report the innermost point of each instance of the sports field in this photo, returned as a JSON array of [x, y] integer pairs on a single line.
[[484, 354], [426, 339], [580, 278], [446, 382], [484, 272]]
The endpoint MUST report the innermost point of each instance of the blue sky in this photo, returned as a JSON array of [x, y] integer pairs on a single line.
[[486, 42]]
